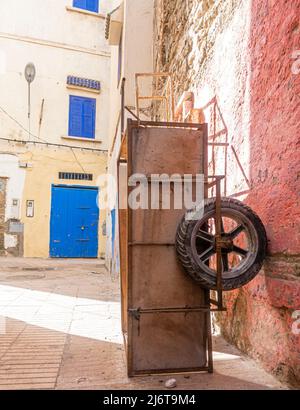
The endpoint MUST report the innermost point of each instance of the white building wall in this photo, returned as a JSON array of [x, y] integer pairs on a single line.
[[59, 42], [138, 43], [53, 20], [9, 168], [137, 56]]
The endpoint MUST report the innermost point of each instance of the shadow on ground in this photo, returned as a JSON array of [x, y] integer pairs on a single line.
[[61, 330]]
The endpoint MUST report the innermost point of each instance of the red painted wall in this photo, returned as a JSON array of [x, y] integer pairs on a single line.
[[275, 121], [259, 317], [239, 54]]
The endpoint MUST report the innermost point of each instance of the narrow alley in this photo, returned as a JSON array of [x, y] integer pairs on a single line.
[[62, 331]]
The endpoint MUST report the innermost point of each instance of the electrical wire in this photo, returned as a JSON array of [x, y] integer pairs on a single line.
[[20, 125], [42, 141], [54, 145], [77, 160]]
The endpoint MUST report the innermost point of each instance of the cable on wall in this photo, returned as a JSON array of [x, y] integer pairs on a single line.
[[41, 140]]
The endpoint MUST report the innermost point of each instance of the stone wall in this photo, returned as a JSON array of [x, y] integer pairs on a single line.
[[235, 56]]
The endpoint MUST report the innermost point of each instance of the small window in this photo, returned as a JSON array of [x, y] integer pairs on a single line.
[[82, 117], [91, 5], [75, 176]]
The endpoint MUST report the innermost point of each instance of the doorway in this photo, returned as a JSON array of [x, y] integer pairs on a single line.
[[74, 222]]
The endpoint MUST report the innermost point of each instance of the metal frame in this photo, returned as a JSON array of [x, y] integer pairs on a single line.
[[211, 305], [217, 183], [167, 96], [218, 303]]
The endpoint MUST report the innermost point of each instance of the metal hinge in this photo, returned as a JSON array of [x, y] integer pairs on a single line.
[[136, 313]]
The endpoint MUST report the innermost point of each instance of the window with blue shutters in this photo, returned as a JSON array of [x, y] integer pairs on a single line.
[[82, 117], [91, 5]]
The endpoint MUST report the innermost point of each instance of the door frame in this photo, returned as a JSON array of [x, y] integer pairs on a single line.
[[72, 186]]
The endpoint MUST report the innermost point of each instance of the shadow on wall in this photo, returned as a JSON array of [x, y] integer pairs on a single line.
[[220, 148], [218, 142]]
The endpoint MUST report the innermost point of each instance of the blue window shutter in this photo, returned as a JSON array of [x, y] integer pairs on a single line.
[[75, 116], [91, 5], [81, 4], [89, 116], [82, 117]]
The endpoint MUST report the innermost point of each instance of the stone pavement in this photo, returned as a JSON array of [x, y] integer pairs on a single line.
[[60, 329]]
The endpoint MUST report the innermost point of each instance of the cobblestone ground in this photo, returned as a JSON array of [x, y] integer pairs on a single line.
[[60, 329]]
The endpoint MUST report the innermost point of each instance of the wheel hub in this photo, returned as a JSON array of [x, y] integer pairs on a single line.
[[226, 244]]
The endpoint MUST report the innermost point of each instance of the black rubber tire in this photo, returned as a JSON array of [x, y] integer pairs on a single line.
[[186, 258]]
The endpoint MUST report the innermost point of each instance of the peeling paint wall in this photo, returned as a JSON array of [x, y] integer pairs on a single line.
[[236, 58], [11, 203]]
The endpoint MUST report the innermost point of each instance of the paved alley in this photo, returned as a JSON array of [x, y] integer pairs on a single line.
[[60, 329]]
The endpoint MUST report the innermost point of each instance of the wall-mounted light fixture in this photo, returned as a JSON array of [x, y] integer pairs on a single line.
[[30, 208], [30, 73]]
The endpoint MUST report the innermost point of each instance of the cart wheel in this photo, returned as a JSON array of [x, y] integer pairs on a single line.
[[243, 248]]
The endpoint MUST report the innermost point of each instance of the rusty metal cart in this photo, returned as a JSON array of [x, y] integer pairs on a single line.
[[174, 270]]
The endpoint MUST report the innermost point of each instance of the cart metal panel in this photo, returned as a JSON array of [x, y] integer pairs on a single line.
[[165, 315]]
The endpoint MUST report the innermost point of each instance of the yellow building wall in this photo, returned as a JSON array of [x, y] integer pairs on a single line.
[[44, 165]]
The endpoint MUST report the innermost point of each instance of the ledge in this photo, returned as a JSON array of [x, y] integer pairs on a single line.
[[87, 90], [86, 12], [93, 141], [54, 44]]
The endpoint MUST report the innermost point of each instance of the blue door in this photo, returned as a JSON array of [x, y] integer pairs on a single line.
[[74, 222]]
